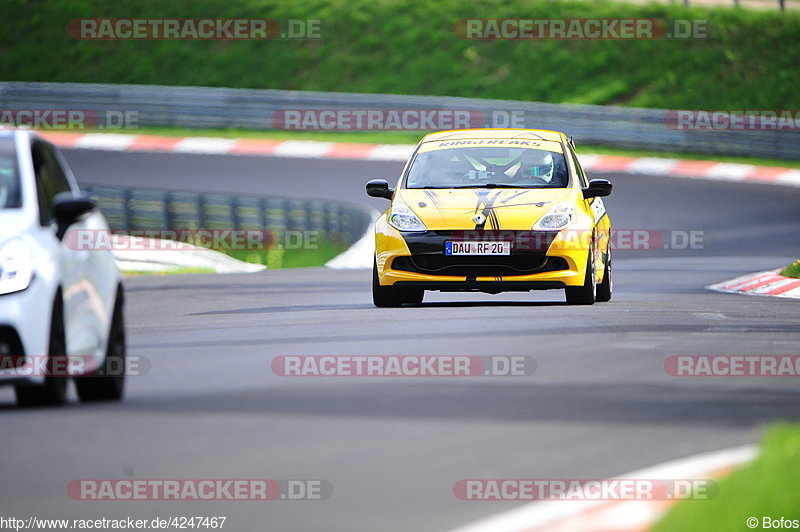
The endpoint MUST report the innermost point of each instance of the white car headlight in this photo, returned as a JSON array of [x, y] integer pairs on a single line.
[[16, 267], [557, 218], [403, 218]]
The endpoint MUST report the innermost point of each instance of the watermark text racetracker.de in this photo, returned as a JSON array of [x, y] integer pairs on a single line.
[[733, 365], [68, 119], [216, 489], [185, 29], [72, 366], [619, 240], [265, 239], [376, 119], [733, 120], [549, 489], [385, 119], [579, 28], [403, 366], [186, 239]]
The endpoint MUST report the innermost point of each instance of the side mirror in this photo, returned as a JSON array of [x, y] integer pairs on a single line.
[[379, 188], [68, 209], [597, 188]]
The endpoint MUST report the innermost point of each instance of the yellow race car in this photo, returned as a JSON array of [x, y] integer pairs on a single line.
[[492, 210]]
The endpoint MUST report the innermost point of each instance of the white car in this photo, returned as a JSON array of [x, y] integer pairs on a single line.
[[61, 307]]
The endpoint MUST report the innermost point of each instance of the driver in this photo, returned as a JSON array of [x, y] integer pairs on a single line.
[[537, 165]]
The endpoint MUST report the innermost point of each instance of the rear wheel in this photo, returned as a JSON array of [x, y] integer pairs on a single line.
[[54, 389], [108, 383], [385, 296], [605, 289], [585, 294]]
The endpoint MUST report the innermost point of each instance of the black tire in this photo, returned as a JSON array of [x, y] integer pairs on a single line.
[[606, 288], [585, 294], [108, 384], [413, 296], [54, 389], [384, 296]]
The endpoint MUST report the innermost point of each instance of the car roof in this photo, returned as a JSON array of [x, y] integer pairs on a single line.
[[490, 133]]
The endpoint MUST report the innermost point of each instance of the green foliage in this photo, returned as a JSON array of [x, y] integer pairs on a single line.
[[792, 270], [409, 47], [765, 488], [278, 257]]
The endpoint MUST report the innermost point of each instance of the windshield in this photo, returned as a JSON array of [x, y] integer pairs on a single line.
[[9, 176], [488, 166]]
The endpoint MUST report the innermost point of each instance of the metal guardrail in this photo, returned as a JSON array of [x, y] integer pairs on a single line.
[[206, 107], [138, 209]]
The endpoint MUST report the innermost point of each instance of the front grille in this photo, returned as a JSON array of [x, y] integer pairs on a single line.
[[432, 242], [479, 266], [528, 254]]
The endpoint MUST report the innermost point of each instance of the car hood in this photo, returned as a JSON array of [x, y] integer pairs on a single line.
[[504, 208]]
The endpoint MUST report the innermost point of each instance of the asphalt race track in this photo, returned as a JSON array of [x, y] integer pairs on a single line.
[[600, 403]]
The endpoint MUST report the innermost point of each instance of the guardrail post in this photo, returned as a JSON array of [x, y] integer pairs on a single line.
[[201, 211], [126, 209], [235, 212], [167, 200]]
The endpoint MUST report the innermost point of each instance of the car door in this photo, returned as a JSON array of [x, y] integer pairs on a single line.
[[80, 326], [597, 209], [100, 273]]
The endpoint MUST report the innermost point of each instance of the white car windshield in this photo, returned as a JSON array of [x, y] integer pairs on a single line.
[[479, 167], [9, 176]]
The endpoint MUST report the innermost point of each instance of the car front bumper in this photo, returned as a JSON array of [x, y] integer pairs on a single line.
[[24, 325], [538, 261]]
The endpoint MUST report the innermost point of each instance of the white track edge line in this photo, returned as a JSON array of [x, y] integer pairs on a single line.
[[540, 513]]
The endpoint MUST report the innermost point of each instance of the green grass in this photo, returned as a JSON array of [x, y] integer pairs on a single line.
[[766, 487], [409, 47], [792, 270], [277, 258]]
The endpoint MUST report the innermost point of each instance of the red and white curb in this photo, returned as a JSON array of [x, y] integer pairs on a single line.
[[305, 149], [768, 283], [400, 152], [619, 516], [710, 170]]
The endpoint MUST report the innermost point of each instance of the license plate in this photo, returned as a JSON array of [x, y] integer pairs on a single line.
[[477, 248]]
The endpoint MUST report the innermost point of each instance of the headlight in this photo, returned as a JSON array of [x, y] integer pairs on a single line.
[[16, 267], [556, 219], [404, 219]]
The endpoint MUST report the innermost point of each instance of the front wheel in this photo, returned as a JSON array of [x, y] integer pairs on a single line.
[[585, 294], [54, 389], [108, 383], [605, 289], [385, 296]]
